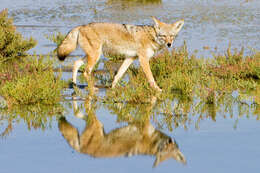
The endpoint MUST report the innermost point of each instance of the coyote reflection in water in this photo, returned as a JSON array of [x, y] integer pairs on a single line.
[[133, 139]]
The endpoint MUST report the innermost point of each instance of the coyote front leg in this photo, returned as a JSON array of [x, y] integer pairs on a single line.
[[144, 62], [92, 60], [76, 66]]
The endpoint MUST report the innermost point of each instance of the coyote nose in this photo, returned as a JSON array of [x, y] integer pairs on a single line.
[[169, 44]]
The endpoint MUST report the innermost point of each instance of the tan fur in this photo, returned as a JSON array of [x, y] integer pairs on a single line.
[[130, 140], [131, 41]]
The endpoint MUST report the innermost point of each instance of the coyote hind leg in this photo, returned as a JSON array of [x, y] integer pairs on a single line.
[[127, 62]]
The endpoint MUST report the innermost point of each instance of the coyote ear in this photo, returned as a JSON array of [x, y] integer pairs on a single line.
[[157, 160], [178, 156], [157, 22], [178, 25]]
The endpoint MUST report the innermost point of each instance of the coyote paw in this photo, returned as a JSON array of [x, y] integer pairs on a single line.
[[158, 89], [155, 86], [93, 89]]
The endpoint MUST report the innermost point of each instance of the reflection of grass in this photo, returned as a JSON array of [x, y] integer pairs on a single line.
[[180, 112], [36, 117]]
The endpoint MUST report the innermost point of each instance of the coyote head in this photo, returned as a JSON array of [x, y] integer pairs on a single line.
[[168, 149], [166, 33]]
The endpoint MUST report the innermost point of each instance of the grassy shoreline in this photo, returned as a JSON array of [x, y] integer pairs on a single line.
[[30, 80], [193, 88]]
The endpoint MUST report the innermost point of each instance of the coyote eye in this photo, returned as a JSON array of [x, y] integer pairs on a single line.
[[163, 36], [172, 36]]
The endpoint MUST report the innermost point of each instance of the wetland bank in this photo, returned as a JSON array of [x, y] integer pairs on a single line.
[[210, 79]]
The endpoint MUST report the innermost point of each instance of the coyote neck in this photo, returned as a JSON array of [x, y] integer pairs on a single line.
[[153, 36]]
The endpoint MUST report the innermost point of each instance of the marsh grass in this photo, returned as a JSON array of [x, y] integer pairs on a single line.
[[179, 73], [31, 82], [12, 45], [25, 79]]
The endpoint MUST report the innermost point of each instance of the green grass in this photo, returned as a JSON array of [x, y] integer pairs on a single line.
[[12, 44], [31, 82], [177, 72], [25, 79]]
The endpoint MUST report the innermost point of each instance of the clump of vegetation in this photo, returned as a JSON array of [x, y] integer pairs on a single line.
[[12, 44], [236, 70], [31, 82], [24, 79]]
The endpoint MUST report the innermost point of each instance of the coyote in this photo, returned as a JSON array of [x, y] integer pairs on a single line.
[[129, 41], [133, 139]]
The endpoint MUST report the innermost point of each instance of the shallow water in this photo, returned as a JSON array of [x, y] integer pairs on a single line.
[[207, 23], [229, 142], [224, 145]]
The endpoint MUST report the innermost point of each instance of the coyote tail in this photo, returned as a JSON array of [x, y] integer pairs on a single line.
[[68, 44]]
